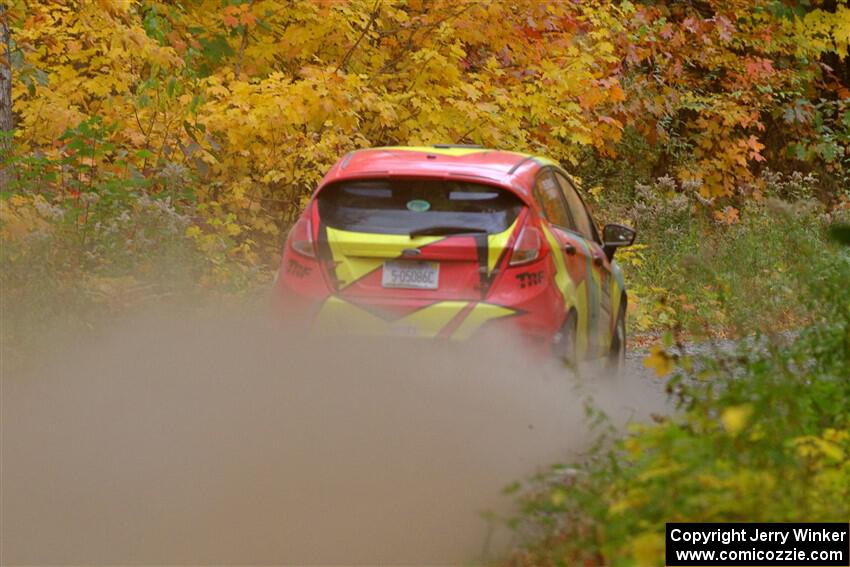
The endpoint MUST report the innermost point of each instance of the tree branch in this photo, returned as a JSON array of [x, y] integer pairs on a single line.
[[373, 16], [242, 46]]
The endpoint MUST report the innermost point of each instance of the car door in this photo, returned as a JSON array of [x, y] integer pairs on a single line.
[[574, 254], [599, 267]]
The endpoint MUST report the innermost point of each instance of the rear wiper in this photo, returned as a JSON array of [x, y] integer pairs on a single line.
[[441, 230]]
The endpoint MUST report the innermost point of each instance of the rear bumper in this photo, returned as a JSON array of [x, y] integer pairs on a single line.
[[533, 317], [455, 320]]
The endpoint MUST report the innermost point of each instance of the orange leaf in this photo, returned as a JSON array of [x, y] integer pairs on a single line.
[[754, 144], [230, 16], [727, 216], [247, 18]]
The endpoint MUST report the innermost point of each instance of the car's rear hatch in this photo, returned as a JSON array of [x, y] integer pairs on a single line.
[[415, 238]]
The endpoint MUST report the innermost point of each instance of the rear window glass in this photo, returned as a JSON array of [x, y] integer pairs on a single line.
[[410, 205]]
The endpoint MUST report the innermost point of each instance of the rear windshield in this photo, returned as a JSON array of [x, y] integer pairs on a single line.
[[417, 205]]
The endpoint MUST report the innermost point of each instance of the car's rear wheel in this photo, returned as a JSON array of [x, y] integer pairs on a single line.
[[617, 354], [565, 342]]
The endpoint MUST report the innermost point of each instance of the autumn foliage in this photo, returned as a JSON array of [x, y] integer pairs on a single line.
[[247, 103]]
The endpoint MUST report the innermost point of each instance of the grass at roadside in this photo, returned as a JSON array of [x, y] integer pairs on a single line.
[[69, 265], [710, 273]]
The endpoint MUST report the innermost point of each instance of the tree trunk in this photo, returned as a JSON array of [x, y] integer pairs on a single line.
[[6, 118], [7, 122]]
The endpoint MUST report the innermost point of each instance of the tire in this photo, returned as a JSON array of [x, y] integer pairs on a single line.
[[617, 354], [565, 343]]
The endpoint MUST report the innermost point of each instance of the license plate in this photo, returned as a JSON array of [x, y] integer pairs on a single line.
[[411, 275]]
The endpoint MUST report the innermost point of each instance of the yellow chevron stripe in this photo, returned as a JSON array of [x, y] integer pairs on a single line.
[[456, 152], [480, 314], [582, 325], [338, 316], [562, 277], [573, 297], [430, 321], [356, 254], [496, 244]]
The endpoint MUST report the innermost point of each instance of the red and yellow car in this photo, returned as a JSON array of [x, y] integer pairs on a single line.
[[454, 241]]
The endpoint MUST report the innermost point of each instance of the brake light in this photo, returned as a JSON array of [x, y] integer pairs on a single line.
[[301, 237], [527, 247]]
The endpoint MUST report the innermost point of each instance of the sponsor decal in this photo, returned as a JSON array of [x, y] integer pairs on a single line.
[[529, 279], [297, 269], [418, 205]]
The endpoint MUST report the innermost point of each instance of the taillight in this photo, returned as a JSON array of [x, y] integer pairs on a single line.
[[301, 237], [527, 247]]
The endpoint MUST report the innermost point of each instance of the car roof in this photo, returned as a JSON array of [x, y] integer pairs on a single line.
[[513, 170]]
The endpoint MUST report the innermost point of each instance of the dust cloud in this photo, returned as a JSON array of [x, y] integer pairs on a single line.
[[230, 439]]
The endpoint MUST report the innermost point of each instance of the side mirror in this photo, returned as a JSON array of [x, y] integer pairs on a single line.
[[616, 236]]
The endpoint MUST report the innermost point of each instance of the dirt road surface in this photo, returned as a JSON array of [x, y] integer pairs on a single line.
[[230, 440]]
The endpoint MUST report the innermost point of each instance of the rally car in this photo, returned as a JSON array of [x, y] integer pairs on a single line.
[[454, 241]]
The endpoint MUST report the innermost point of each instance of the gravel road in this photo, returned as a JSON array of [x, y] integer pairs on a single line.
[[175, 441]]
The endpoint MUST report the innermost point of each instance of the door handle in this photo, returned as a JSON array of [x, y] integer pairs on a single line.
[[570, 249]]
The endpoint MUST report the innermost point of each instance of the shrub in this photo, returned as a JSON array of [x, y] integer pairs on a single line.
[[763, 434], [723, 271], [83, 236]]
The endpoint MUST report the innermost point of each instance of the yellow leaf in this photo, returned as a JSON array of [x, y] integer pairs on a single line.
[[660, 360], [836, 435], [647, 548], [558, 497], [633, 446], [831, 450], [735, 418]]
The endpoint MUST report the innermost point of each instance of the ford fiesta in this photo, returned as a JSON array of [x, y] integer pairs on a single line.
[[453, 241]]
